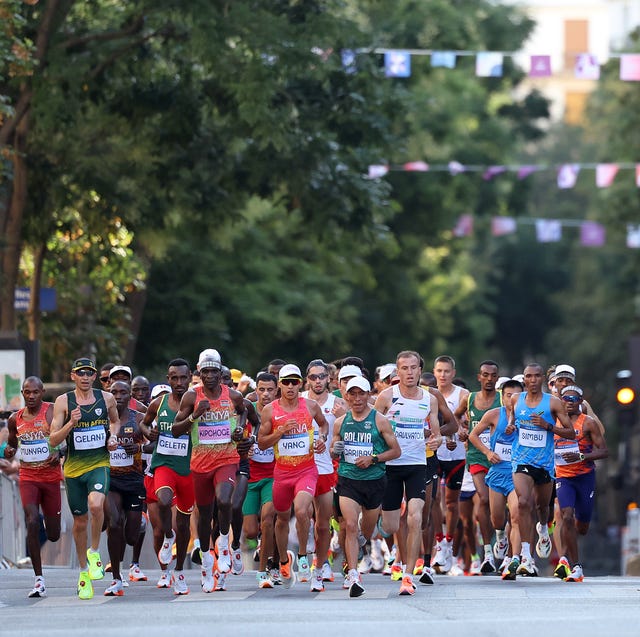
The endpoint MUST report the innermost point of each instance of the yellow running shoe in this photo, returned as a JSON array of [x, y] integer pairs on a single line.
[[96, 569], [85, 587]]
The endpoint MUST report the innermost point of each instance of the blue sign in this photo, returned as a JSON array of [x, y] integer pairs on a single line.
[[48, 300]]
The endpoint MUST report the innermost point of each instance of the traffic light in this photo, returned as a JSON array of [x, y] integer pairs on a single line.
[[626, 398]]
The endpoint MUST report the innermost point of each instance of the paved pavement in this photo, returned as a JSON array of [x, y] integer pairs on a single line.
[[454, 606]]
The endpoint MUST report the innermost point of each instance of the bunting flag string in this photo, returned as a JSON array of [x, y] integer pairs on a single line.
[[397, 62], [592, 233], [566, 174]]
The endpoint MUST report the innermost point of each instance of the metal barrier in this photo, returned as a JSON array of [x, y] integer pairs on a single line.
[[13, 532]]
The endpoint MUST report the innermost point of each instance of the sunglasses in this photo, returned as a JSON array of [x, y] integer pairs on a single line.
[[290, 381], [317, 376], [571, 399], [85, 372], [104, 379]]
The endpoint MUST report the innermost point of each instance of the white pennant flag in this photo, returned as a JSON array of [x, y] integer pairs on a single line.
[[568, 175], [633, 236], [548, 230], [377, 170]]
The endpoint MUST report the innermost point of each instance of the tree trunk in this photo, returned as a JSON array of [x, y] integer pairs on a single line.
[[13, 227], [33, 313]]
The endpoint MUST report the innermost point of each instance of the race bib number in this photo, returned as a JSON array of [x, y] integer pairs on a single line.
[[570, 448], [34, 450], [262, 455], [355, 450], [214, 433], [532, 437], [170, 446], [90, 438], [504, 451], [120, 458], [405, 431], [294, 445], [485, 439]]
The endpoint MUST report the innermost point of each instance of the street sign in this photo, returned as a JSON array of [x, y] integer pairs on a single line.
[[48, 300]]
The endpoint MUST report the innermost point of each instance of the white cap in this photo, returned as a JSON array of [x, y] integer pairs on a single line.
[[386, 370], [160, 389], [564, 371], [501, 381], [289, 371], [210, 354], [359, 381], [120, 368], [349, 370], [519, 378]]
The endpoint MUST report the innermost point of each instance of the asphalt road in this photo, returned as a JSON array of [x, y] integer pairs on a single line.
[[469, 606]]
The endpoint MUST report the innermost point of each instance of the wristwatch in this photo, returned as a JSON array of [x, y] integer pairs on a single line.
[[374, 459], [581, 456]]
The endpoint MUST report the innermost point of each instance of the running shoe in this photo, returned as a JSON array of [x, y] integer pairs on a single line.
[[165, 554], [475, 568], [505, 562], [115, 590], [96, 569], [264, 581], [287, 574], [195, 555], [388, 566], [397, 571], [346, 582], [377, 559], [237, 567], [220, 581], [327, 573], [543, 545], [356, 589], [443, 559], [274, 574], [417, 569], [224, 557], [563, 569], [527, 567], [317, 584], [365, 565], [39, 589], [85, 587], [427, 576], [166, 580], [576, 574], [256, 552], [500, 548], [511, 570], [304, 572], [136, 575], [125, 583], [206, 580], [407, 587], [456, 570], [488, 564], [180, 585]]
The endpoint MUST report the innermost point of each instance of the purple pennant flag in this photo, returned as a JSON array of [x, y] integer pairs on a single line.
[[464, 226], [592, 234], [540, 66], [397, 64], [525, 171], [455, 167], [501, 226], [633, 236], [548, 230], [493, 171], [568, 175]]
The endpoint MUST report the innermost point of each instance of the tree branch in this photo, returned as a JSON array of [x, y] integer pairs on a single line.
[[134, 28]]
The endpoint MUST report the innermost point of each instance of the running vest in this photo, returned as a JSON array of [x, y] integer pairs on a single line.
[[87, 441], [459, 453], [361, 438], [475, 415], [261, 462], [323, 460], [581, 444], [122, 464], [502, 443], [39, 461], [211, 433], [533, 445], [295, 449], [409, 419], [171, 452]]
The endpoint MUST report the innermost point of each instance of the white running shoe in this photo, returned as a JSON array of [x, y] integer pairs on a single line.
[[427, 576], [237, 566], [115, 590], [165, 553], [377, 559], [206, 580], [475, 568], [456, 571], [576, 574], [327, 573], [365, 565], [443, 560], [166, 580], [220, 581], [39, 589], [500, 548], [543, 545], [224, 557], [264, 581], [356, 589], [317, 583], [136, 575], [180, 585], [527, 567], [488, 564]]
